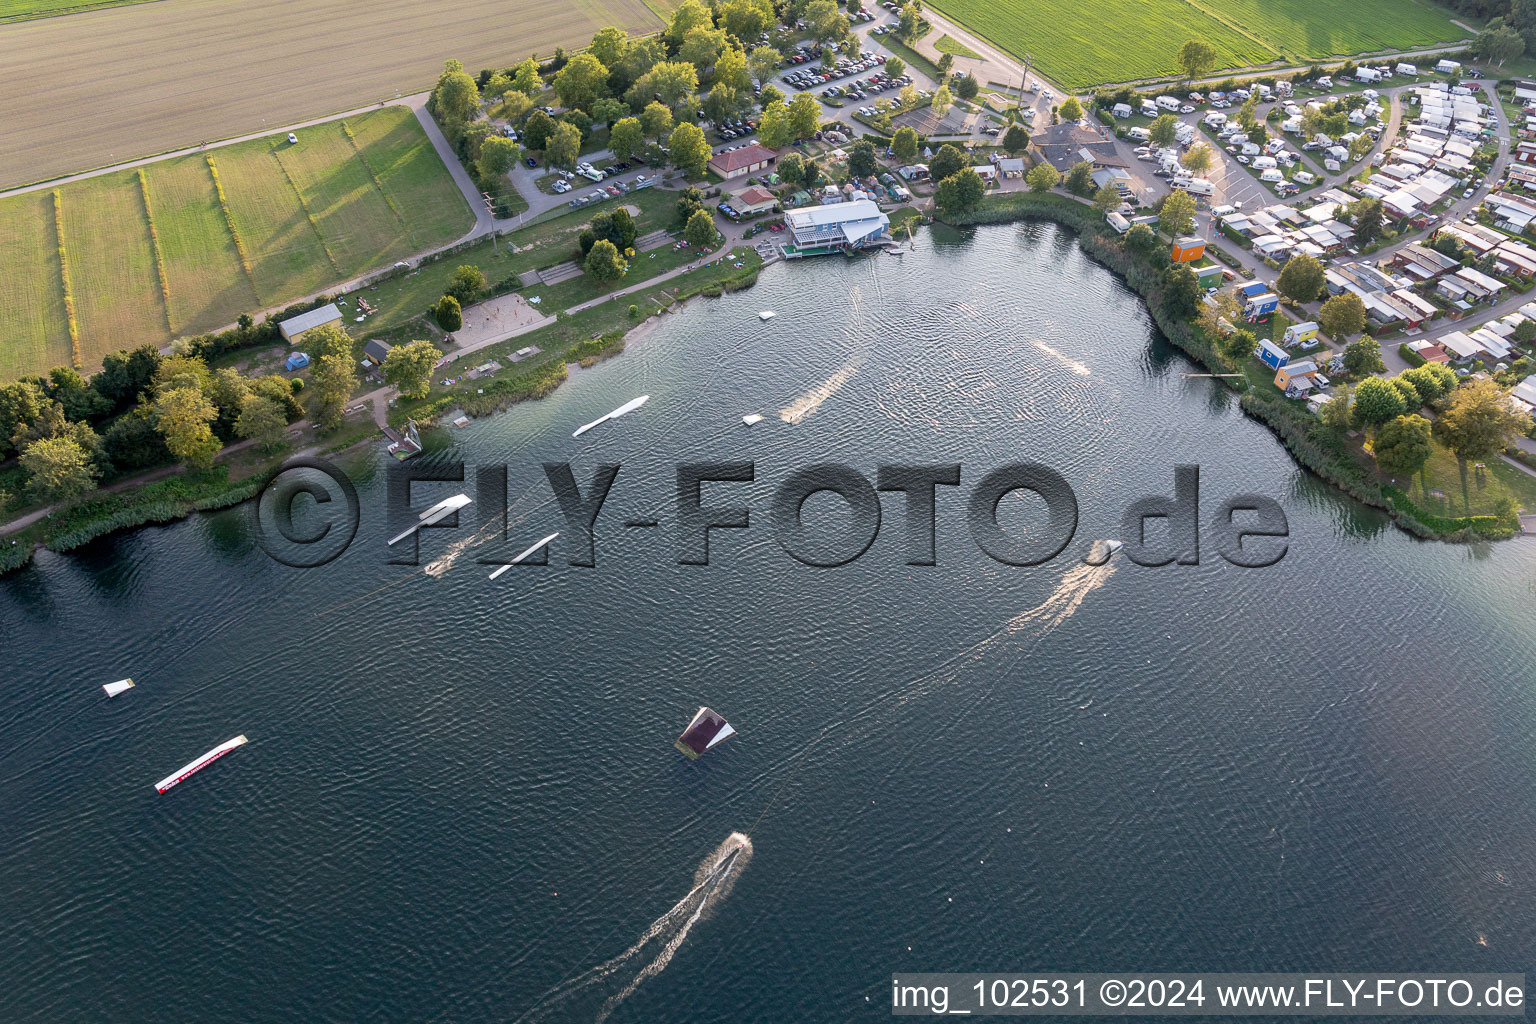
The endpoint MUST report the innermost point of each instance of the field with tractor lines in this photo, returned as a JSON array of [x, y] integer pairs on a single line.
[[1082, 45], [395, 149], [124, 231], [351, 213], [236, 68], [36, 335], [1308, 29], [112, 266], [207, 285]]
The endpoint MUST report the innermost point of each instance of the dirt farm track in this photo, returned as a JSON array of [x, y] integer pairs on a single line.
[[91, 89]]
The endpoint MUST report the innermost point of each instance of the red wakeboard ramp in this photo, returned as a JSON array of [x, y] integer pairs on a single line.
[[706, 730]]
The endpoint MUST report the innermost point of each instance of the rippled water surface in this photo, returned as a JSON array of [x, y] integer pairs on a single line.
[[460, 801]]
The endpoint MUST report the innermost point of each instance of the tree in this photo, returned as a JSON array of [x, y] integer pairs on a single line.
[[1336, 414], [1236, 346], [1140, 238], [1412, 399], [514, 105], [57, 469], [1070, 109], [1042, 177], [656, 119], [967, 87], [409, 368], [20, 405], [673, 84], [581, 81], [689, 202], [608, 110], [1106, 199], [908, 22], [1177, 217], [895, 67], [941, 102], [609, 45], [564, 146], [1181, 290], [498, 155], [688, 150], [1015, 140], [961, 192], [861, 159], [1162, 129], [448, 314], [791, 168], [1363, 357], [1195, 58], [804, 115], [1197, 159], [1499, 43], [1479, 421], [948, 160], [774, 128], [1426, 382], [262, 420], [825, 21], [904, 145], [702, 47], [332, 382], [526, 78], [537, 130], [763, 63], [455, 98], [1402, 445], [812, 174], [700, 230], [1342, 316], [123, 375], [626, 138], [746, 19], [1376, 402], [1080, 178], [946, 64], [603, 263], [615, 225], [690, 15], [1301, 279], [1367, 214], [184, 415]]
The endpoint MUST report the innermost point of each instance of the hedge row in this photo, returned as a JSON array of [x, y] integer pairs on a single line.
[[69, 295], [229, 219], [373, 174], [154, 243]]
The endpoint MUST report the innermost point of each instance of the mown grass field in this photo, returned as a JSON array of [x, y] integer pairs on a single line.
[[111, 266], [208, 286], [31, 291], [113, 272], [1083, 45], [180, 72]]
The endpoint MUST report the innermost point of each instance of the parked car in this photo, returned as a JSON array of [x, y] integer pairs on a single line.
[[292, 138], [532, 162]]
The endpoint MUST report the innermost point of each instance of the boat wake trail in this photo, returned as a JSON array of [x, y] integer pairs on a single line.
[[812, 399], [599, 991], [1075, 586]]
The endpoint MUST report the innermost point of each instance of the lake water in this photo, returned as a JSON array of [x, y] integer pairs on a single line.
[[461, 796]]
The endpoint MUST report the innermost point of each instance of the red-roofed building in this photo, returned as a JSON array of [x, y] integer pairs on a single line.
[[753, 199], [746, 160], [1433, 354]]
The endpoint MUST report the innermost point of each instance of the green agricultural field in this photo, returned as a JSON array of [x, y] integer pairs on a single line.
[[208, 286], [354, 219], [375, 197], [31, 292], [394, 146], [1310, 29], [1127, 40], [111, 266]]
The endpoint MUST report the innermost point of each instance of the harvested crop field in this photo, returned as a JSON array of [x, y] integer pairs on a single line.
[[1125, 40], [238, 66], [116, 260]]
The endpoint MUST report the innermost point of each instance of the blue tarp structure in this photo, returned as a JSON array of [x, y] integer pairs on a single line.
[[296, 361]]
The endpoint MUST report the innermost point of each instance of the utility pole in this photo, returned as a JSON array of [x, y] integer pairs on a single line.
[[490, 208]]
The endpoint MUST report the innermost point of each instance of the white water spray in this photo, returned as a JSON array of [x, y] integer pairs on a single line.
[[599, 991]]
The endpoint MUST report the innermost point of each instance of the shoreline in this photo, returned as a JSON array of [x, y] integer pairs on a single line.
[[1292, 430]]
